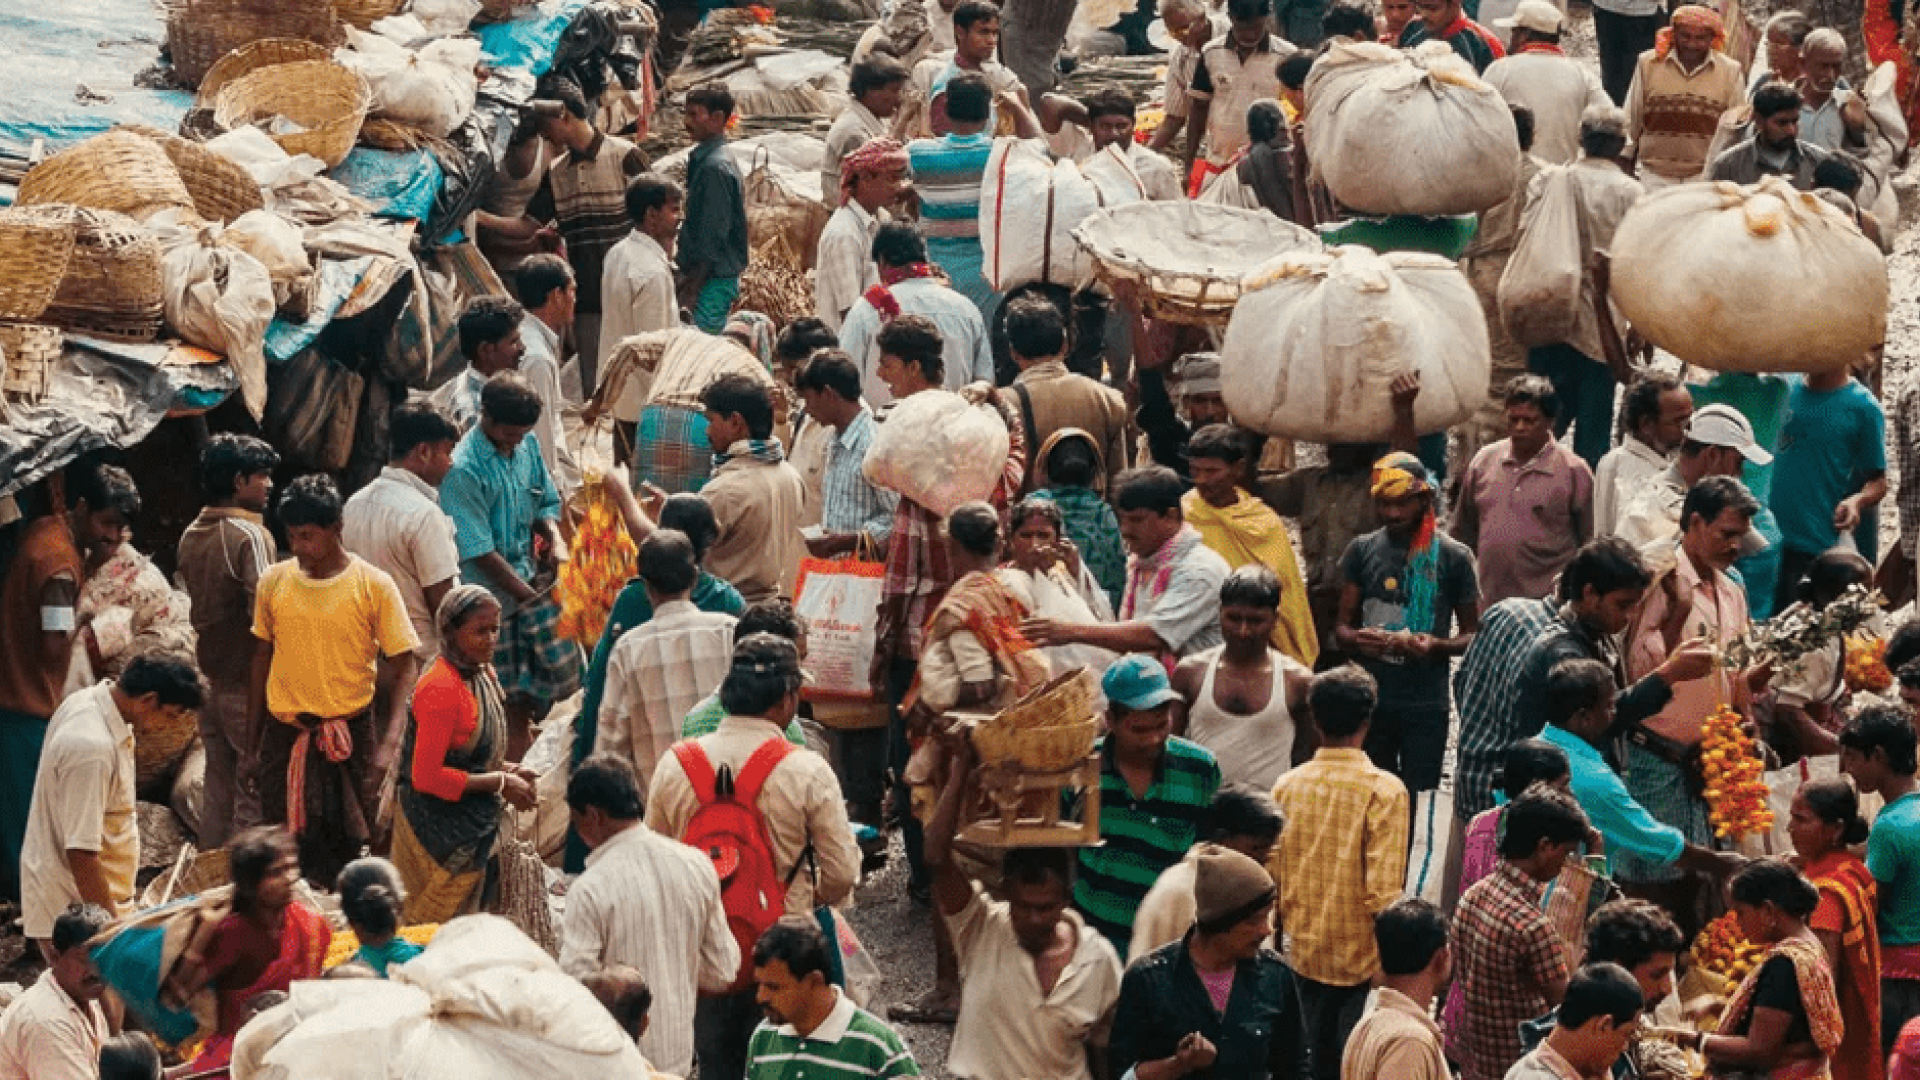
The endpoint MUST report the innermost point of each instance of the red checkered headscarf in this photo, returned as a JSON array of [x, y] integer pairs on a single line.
[[879, 155], [1692, 16]]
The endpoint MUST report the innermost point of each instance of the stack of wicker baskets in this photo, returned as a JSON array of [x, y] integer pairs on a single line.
[[220, 189], [322, 103], [110, 286], [34, 254], [1051, 730], [120, 171], [200, 32]]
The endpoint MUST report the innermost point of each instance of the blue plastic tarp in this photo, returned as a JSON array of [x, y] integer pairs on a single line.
[[527, 42], [400, 184], [335, 281], [62, 59]]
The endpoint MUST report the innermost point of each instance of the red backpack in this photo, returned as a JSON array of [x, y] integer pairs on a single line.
[[729, 829]]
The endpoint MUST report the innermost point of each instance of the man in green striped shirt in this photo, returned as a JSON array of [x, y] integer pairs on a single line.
[[1154, 789], [813, 1030]]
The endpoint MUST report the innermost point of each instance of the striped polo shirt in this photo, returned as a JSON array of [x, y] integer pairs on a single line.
[[946, 173], [850, 1042], [1142, 836]]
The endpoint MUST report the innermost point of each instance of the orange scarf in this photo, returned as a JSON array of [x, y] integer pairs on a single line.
[[1844, 877], [1816, 993]]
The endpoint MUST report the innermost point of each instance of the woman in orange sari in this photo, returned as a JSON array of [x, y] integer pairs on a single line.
[[1825, 821], [267, 943], [1783, 1023]]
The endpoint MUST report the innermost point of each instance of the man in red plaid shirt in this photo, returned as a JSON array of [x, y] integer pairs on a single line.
[[1509, 960]]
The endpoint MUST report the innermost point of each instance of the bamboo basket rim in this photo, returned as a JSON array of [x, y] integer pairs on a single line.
[[116, 170], [28, 352], [112, 286], [221, 189], [202, 32], [299, 91], [251, 57], [33, 259]]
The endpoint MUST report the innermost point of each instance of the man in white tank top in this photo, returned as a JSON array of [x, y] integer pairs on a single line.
[[1238, 699]]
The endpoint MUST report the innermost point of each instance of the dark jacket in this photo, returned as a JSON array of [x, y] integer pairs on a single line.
[[1162, 999]]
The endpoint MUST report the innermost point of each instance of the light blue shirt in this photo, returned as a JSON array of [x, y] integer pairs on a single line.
[[1623, 822], [965, 350], [494, 502], [847, 502]]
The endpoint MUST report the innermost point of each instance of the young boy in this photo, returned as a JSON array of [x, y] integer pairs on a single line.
[[713, 239], [1595, 1022], [1877, 750]]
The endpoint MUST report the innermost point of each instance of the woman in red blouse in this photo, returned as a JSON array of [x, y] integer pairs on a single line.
[[451, 793]]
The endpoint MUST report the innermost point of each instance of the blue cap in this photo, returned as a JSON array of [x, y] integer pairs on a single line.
[[1137, 682]]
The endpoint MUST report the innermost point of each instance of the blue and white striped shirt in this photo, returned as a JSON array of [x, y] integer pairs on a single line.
[[847, 502]]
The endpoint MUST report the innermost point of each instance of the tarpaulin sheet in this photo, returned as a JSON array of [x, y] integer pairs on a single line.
[[400, 184], [528, 41], [54, 50], [332, 284], [100, 394]]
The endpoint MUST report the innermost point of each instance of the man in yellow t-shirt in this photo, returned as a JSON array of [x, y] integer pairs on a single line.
[[326, 619]]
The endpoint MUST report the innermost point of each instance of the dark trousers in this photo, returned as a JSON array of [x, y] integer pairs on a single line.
[[899, 679], [861, 759], [1585, 388], [231, 799], [1899, 1003], [21, 737], [1622, 39], [341, 800], [1409, 742], [1330, 1014], [722, 1027]]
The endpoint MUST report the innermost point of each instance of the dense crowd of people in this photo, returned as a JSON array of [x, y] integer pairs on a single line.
[[1400, 764]]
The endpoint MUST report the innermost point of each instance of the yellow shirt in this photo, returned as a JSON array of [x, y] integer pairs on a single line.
[[1343, 860], [328, 636]]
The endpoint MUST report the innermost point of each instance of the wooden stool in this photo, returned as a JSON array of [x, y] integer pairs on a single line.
[[1028, 807]]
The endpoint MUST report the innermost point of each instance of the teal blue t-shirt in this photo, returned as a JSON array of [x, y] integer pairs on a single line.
[[1833, 442], [1893, 857], [398, 950], [1762, 399]]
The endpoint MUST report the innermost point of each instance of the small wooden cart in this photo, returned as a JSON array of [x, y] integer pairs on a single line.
[[1031, 755]]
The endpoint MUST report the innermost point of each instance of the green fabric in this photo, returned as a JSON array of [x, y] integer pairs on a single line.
[[1142, 837], [397, 951], [1445, 236], [715, 303], [1094, 529], [707, 715], [868, 1048]]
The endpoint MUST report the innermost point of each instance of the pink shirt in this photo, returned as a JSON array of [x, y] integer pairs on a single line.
[[1719, 615], [1523, 519]]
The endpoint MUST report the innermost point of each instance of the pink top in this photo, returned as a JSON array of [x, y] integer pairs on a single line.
[[1219, 987], [1523, 519], [1719, 615]]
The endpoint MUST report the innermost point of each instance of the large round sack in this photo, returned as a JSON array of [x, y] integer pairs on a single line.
[[1761, 278], [1393, 132], [938, 450], [1029, 206], [1318, 337]]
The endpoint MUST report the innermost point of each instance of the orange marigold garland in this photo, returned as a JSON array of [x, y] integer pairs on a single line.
[[1736, 789], [1867, 664], [1722, 949], [602, 562]]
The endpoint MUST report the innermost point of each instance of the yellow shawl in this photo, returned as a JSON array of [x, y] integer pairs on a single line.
[[1250, 532]]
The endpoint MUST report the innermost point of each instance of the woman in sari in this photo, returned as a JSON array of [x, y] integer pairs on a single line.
[[1824, 823], [1784, 1021], [264, 945], [451, 792]]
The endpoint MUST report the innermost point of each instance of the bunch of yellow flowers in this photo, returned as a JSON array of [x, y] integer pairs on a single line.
[[1736, 791]]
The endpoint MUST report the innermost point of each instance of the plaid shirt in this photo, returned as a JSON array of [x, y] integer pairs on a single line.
[[1342, 859], [1504, 952], [848, 503], [919, 569], [1485, 688]]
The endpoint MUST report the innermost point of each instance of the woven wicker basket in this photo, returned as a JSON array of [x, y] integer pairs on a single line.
[[30, 352], [200, 32], [362, 14], [251, 57], [221, 190], [1050, 730], [1185, 260], [329, 100], [115, 170], [159, 746], [33, 258], [112, 284]]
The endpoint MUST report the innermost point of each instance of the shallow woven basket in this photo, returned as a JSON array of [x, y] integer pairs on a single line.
[[251, 57], [158, 746], [362, 14], [1050, 730], [1186, 259], [200, 32], [328, 99], [30, 351], [220, 189], [115, 170], [112, 285], [33, 258]]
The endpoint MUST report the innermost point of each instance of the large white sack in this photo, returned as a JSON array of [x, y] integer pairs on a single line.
[[1318, 337], [938, 450], [481, 1003], [1761, 278], [1029, 206], [1393, 132], [1539, 293], [219, 298], [432, 88]]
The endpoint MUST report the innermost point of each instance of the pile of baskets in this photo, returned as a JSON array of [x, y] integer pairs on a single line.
[[1051, 730], [34, 254]]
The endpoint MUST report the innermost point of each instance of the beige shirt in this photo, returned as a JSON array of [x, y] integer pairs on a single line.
[[1014, 1030], [914, 120], [1395, 1039], [808, 456], [801, 804], [1557, 88], [1166, 913], [656, 674], [82, 801], [1237, 84], [845, 267], [758, 507], [46, 1035], [1623, 472], [636, 296], [1064, 399], [653, 904], [851, 130], [396, 524], [1672, 113]]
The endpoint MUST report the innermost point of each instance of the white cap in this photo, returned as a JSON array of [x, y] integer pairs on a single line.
[[1537, 15], [1722, 425]]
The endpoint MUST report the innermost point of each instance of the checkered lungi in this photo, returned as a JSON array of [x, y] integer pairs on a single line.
[[1661, 787], [531, 658], [671, 450]]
